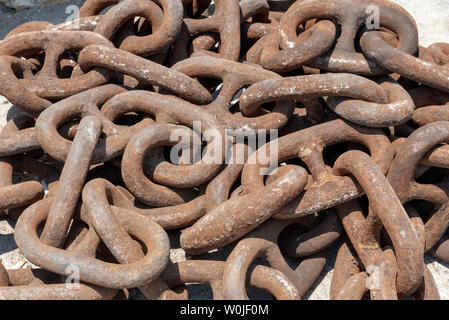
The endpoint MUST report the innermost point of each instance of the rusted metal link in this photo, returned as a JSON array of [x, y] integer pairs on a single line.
[[92, 270], [225, 21], [351, 15], [311, 266], [388, 208], [21, 139], [75, 107], [401, 177], [166, 28], [238, 262], [139, 116], [236, 76], [368, 103], [71, 181], [237, 216], [45, 83], [38, 284], [325, 190], [211, 272], [126, 250], [403, 63], [143, 70], [20, 194]]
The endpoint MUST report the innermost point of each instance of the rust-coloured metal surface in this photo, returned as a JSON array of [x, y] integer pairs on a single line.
[[256, 129]]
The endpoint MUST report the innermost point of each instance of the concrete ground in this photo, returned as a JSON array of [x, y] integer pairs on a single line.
[[431, 17]]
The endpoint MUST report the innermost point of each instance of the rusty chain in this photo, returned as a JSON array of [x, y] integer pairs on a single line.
[[258, 129]]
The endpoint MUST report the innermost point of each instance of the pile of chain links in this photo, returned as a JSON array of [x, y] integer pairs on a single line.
[[362, 152]]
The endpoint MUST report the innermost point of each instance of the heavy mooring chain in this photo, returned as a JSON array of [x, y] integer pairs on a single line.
[[245, 130]]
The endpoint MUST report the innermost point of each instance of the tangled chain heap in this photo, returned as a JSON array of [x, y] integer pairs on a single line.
[[362, 156]]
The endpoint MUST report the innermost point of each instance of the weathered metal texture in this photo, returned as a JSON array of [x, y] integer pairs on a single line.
[[238, 262], [305, 48], [226, 22], [94, 7], [238, 216], [351, 15], [367, 103], [71, 181], [46, 84], [126, 250], [92, 270], [401, 177], [21, 194], [218, 189], [143, 70], [386, 290], [312, 264], [19, 138], [211, 272], [320, 237], [260, 32], [346, 266], [166, 28], [81, 104], [431, 105], [147, 191], [396, 111], [112, 93], [38, 284], [354, 288], [236, 76], [387, 207], [325, 190], [404, 63], [194, 8]]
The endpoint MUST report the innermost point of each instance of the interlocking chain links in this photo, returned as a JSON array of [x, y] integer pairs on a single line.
[[29, 27], [405, 64], [236, 76], [46, 84], [144, 70], [77, 106], [211, 272], [236, 217], [260, 32], [21, 194], [401, 177], [308, 46], [368, 103], [349, 283], [388, 208], [166, 29], [436, 52], [436, 157], [186, 176], [126, 250], [302, 244], [226, 22], [218, 190], [71, 181], [171, 217], [239, 69], [192, 41], [238, 262], [351, 15], [325, 190], [313, 249], [92, 270]]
